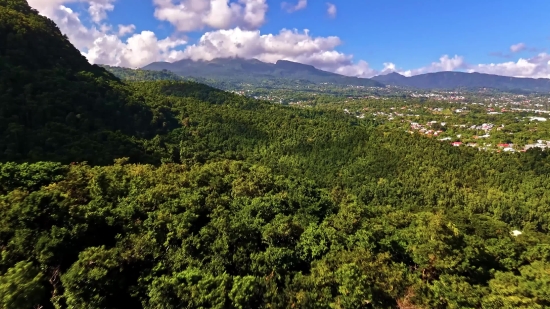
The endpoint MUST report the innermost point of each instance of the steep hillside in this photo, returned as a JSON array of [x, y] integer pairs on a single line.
[[252, 71], [54, 105], [454, 80]]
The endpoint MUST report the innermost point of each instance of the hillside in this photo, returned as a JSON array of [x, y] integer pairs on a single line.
[[454, 80], [246, 204], [54, 104], [140, 75], [252, 71], [133, 75], [258, 205]]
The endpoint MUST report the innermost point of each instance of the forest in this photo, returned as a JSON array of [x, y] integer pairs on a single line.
[[159, 193]]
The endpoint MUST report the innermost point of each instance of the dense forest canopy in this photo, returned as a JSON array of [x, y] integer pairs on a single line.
[[160, 193]]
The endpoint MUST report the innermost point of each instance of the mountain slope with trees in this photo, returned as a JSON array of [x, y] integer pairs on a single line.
[[255, 72], [54, 104], [247, 204]]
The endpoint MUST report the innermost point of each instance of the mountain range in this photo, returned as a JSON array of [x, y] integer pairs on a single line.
[[454, 80], [256, 72], [253, 71]]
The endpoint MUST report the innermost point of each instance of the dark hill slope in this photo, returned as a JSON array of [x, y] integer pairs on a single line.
[[453, 80], [127, 74], [54, 105], [253, 71]]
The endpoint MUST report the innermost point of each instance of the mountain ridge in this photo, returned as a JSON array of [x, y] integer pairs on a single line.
[[455, 79], [253, 71]]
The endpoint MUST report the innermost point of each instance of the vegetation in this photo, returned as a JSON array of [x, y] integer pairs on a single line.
[[140, 75], [234, 71], [217, 200], [55, 105]]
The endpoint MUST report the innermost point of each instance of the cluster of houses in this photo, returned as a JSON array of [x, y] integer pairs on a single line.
[[484, 127], [501, 147], [440, 96], [504, 147], [425, 129], [542, 144]]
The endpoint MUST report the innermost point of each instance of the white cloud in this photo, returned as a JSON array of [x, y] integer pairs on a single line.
[[139, 50], [98, 9], [302, 4], [444, 64], [100, 45], [47, 7], [359, 69], [535, 67], [331, 10], [389, 67], [69, 22], [191, 15], [286, 45], [518, 47], [126, 29]]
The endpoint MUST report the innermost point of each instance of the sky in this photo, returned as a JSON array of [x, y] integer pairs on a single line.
[[360, 38]]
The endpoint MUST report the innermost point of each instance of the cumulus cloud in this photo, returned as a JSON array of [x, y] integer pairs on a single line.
[[331, 10], [302, 4], [535, 67], [138, 50], [70, 24], [100, 45], [286, 45], [191, 15], [98, 9], [389, 67], [518, 47], [445, 63], [126, 29]]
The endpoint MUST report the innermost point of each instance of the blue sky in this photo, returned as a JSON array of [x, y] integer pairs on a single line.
[[413, 35]]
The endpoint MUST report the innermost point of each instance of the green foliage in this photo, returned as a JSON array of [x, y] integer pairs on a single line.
[[230, 234], [21, 287], [245, 204], [55, 106], [529, 289], [29, 176], [141, 75]]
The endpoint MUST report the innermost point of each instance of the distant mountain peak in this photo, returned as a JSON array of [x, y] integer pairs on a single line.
[[395, 74], [457, 79], [293, 65], [392, 77], [239, 70]]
